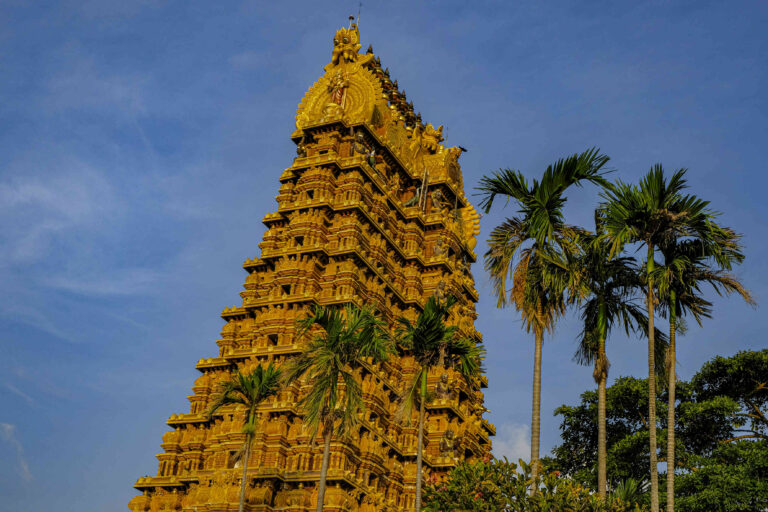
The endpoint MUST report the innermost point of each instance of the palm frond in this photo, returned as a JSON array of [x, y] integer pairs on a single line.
[[247, 390], [343, 338]]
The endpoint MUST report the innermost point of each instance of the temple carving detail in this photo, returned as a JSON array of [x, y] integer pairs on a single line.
[[372, 211]]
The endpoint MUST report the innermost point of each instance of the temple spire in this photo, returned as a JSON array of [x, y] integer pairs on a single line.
[[371, 211]]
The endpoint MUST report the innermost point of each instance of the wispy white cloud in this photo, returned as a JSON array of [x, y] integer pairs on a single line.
[[16, 391], [512, 441], [36, 208], [21, 305], [8, 435], [130, 281]]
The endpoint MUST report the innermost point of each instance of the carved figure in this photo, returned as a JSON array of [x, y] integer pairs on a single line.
[[346, 44], [394, 183], [359, 145], [416, 199], [416, 141], [442, 390], [447, 442], [431, 138], [440, 290], [295, 428], [337, 87], [438, 199], [455, 152]]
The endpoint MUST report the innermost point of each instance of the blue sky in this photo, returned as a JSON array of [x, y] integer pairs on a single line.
[[141, 144]]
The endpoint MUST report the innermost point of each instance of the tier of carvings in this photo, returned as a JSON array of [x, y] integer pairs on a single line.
[[372, 211]]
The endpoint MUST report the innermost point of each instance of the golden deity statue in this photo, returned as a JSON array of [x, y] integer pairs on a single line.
[[371, 211]]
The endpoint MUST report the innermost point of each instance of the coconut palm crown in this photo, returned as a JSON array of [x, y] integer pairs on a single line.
[[518, 249], [652, 214], [434, 344], [344, 338], [247, 391], [605, 290]]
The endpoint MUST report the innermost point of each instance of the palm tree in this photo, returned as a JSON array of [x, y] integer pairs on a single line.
[[247, 390], [629, 491], [604, 287], [518, 247], [345, 339], [688, 264], [650, 214], [434, 344]]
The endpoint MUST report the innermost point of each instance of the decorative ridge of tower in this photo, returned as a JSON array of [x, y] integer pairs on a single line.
[[372, 211]]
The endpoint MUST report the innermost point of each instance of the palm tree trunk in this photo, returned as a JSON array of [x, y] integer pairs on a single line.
[[601, 373], [420, 446], [652, 388], [246, 455], [602, 477], [671, 404], [536, 409], [324, 467]]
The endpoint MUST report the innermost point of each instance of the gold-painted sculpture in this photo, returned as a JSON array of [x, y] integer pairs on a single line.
[[372, 211]]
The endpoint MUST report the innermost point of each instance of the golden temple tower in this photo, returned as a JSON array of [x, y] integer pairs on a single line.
[[372, 211]]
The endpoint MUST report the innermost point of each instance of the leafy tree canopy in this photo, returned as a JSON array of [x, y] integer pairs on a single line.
[[722, 441]]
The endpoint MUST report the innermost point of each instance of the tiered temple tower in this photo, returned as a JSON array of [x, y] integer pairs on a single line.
[[372, 211]]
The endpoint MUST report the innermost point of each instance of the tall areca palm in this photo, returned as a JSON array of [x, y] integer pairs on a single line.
[[248, 391], [650, 214], [689, 264], [605, 288], [345, 338], [434, 344], [518, 248]]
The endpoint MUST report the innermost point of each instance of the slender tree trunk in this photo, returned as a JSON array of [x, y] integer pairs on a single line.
[[652, 388], [536, 409], [671, 404], [420, 446], [601, 374], [246, 455], [324, 467], [602, 477]]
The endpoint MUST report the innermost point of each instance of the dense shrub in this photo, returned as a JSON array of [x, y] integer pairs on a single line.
[[494, 485]]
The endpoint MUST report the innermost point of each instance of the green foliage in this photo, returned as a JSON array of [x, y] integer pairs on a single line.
[[344, 337], [541, 202], [654, 211], [247, 390], [517, 247], [626, 433], [733, 478], [722, 450], [605, 288], [629, 491], [499, 485], [433, 343], [744, 378]]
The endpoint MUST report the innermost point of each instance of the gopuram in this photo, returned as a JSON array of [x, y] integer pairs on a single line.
[[372, 211]]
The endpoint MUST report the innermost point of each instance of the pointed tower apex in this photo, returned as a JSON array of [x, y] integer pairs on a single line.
[[346, 44]]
